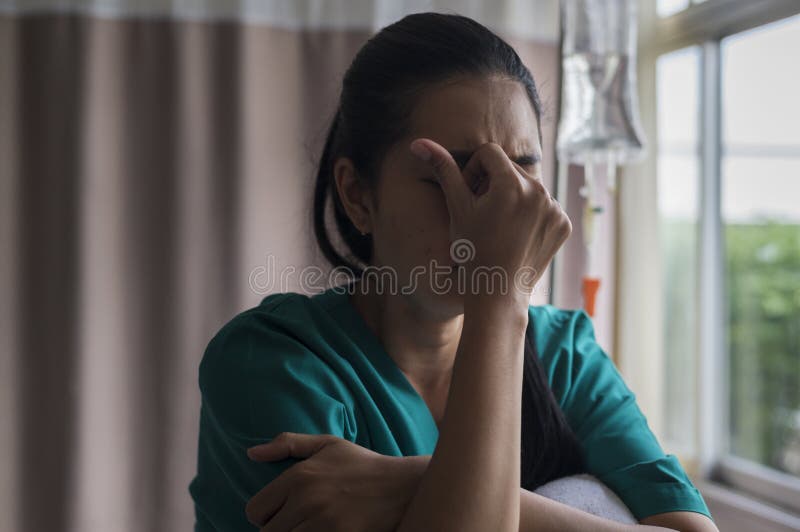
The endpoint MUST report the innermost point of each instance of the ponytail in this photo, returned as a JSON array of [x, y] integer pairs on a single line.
[[550, 449]]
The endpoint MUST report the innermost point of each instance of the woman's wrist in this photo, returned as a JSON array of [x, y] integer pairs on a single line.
[[408, 469], [510, 308], [403, 475]]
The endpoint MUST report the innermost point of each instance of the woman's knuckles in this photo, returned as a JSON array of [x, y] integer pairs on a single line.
[[317, 501], [305, 471]]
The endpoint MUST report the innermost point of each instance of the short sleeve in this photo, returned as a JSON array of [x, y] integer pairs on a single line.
[[256, 381], [619, 447]]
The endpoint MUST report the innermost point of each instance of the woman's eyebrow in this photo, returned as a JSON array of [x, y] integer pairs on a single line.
[[462, 156]]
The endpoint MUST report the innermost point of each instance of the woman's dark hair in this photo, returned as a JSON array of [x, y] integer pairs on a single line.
[[379, 91]]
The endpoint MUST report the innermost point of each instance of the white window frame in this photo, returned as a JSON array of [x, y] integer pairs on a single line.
[[704, 25]]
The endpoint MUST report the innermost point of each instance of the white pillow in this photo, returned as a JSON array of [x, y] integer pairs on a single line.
[[587, 493]]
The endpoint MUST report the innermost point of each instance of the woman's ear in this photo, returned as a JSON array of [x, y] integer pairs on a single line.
[[355, 196]]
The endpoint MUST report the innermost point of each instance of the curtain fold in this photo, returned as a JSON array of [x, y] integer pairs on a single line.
[[49, 99], [9, 337], [148, 166]]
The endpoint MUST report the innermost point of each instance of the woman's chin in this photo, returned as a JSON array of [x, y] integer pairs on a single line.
[[448, 289]]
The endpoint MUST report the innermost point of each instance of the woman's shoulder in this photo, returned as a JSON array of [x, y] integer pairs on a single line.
[[556, 328], [277, 312], [570, 354], [275, 334], [552, 315], [264, 372]]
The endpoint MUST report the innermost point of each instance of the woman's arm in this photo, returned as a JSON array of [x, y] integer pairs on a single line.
[[513, 226], [339, 494], [472, 479], [540, 514]]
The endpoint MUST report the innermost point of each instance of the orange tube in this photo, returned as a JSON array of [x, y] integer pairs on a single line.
[[590, 287]]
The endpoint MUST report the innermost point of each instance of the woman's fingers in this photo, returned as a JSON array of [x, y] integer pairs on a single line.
[[506, 213], [307, 526], [535, 176], [268, 501], [491, 166], [285, 520], [289, 445]]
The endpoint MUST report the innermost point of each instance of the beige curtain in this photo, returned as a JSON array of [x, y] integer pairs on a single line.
[[149, 163]]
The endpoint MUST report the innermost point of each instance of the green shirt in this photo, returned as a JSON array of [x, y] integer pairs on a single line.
[[312, 365]]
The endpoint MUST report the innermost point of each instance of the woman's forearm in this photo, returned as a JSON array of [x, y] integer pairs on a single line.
[[540, 514], [472, 479]]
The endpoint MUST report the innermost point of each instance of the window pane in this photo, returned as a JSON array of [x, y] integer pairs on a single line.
[[761, 216], [762, 239], [678, 195], [678, 182], [677, 92], [665, 8], [762, 86], [757, 189]]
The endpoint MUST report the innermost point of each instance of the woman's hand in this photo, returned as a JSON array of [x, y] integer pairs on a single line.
[[339, 486], [506, 213]]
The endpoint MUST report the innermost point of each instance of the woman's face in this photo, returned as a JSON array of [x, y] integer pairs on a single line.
[[410, 226]]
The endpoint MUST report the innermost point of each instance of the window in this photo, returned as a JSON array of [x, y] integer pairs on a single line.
[[760, 203], [728, 175]]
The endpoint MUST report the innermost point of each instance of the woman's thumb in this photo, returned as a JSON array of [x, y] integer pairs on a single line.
[[444, 166], [289, 445]]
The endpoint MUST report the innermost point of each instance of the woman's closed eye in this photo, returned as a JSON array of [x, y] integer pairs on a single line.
[[527, 161]]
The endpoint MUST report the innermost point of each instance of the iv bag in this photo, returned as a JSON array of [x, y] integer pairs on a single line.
[[599, 105]]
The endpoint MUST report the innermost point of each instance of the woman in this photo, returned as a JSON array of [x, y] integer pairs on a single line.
[[431, 403]]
